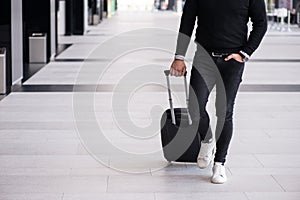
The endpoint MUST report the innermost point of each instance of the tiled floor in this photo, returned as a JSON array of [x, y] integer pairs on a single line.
[[44, 154]]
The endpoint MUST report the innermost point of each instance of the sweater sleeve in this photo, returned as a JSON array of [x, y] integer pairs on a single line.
[[258, 16], [187, 24]]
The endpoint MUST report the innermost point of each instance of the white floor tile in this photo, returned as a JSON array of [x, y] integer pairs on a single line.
[[189, 183], [135, 196], [273, 195], [31, 196], [290, 183], [203, 195], [279, 160]]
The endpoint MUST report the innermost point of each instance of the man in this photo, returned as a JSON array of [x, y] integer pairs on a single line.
[[223, 32]]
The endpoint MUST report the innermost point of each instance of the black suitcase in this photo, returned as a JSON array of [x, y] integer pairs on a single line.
[[179, 136]]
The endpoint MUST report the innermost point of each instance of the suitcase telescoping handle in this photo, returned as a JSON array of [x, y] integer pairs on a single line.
[[167, 73]]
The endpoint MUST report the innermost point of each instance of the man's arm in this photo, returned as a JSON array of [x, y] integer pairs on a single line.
[[187, 24], [257, 13]]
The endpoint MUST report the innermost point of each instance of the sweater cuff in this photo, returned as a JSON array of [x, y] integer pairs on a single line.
[[247, 51], [179, 57]]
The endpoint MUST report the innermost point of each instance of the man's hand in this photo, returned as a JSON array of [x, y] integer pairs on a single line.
[[235, 56], [178, 68]]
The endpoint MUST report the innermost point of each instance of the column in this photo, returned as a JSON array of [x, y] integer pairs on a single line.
[[11, 39], [76, 17]]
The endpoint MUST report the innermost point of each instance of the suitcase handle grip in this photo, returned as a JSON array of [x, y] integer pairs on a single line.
[[167, 73]]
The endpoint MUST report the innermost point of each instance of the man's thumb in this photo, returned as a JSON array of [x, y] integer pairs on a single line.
[[228, 57]]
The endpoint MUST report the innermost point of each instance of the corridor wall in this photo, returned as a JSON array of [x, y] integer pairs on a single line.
[[11, 39]]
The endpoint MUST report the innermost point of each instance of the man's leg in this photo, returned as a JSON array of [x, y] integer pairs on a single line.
[[201, 84], [231, 72], [198, 98]]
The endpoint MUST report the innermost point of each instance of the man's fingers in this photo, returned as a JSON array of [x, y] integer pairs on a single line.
[[229, 57], [172, 71], [236, 57], [183, 72]]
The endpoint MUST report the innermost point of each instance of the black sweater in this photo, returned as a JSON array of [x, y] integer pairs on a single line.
[[222, 24]]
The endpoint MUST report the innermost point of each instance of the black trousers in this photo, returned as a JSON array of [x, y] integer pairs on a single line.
[[226, 76]]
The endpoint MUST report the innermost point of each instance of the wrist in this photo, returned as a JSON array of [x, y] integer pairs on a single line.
[[179, 57], [244, 56]]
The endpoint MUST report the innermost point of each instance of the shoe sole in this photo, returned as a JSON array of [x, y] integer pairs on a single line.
[[204, 167], [217, 182]]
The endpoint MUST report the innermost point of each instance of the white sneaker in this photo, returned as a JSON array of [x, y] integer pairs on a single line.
[[206, 154], [219, 173]]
